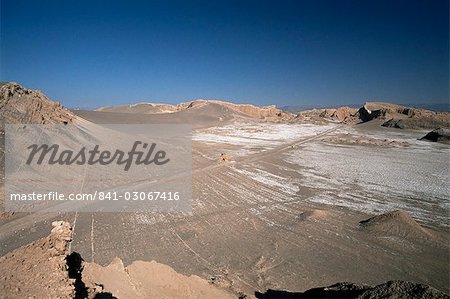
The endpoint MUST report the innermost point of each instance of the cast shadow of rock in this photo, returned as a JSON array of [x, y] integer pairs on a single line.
[[75, 267]]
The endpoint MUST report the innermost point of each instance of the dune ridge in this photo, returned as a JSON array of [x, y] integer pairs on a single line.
[[398, 223]]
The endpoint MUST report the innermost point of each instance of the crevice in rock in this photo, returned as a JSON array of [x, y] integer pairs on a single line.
[[75, 267]]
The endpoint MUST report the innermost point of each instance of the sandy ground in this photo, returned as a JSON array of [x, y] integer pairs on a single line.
[[284, 213]]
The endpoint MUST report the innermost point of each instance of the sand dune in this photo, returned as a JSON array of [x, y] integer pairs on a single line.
[[259, 112], [315, 214], [201, 116], [141, 108], [397, 223]]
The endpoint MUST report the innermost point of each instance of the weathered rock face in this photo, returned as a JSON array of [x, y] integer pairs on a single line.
[[23, 106], [365, 114], [341, 114], [43, 269], [349, 115], [146, 280], [60, 237], [344, 114], [401, 117], [438, 135], [395, 116], [402, 289], [39, 269], [377, 110], [390, 289]]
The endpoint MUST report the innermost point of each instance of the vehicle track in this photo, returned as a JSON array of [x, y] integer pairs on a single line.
[[13, 226]]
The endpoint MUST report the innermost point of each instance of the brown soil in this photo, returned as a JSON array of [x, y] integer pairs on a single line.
[[38, 269]]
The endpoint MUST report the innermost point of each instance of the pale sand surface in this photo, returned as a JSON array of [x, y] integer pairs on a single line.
[[284, 213]]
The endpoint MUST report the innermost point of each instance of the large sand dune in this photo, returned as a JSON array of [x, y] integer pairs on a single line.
[[265, 112], [205, 115]]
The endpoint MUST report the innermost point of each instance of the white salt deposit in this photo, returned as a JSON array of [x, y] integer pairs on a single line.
[[375, 179]]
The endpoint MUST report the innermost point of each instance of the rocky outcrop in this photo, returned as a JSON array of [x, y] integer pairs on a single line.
[[378, 110], [146, 280], [19, 105], [390, 289], [365, 114], [401, 117], [438, 135], [402, 289], [39, 269], [341, 114], [43, 269], [393, 115]]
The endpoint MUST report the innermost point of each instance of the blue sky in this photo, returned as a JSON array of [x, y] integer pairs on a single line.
[[94, 53]]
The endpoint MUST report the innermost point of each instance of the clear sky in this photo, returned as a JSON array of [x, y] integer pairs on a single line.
[[94, 53]]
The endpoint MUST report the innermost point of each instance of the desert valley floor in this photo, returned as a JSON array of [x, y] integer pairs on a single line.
[[284, 210]]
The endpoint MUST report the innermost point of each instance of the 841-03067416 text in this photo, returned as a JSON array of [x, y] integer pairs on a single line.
[[98, 195]]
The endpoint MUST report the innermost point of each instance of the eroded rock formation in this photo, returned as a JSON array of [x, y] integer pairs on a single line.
[[19, 105], [39, 269]]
